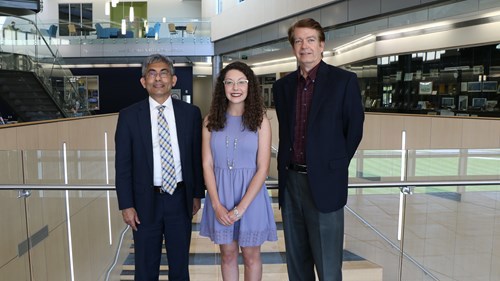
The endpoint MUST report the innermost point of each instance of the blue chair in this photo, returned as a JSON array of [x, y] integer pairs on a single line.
[[100, 31], [51, 32], [107, 32], [153, 30]]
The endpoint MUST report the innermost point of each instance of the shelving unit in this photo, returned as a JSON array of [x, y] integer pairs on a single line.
[[458, 82]]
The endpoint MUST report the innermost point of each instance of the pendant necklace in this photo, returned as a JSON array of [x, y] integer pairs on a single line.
[[230, 162]]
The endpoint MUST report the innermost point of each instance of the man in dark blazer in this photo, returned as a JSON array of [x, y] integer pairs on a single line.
[[320, 126], [154, 214]]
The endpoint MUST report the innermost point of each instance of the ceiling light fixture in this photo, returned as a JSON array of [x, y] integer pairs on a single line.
[[124, 22], [107, 8], [283, 60], [354, 44], [131, 12]]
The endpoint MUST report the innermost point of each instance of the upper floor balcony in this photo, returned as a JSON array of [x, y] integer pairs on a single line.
[[99, 39]]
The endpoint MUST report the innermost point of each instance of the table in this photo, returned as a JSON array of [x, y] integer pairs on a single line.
[[84, 30], [182, 28]]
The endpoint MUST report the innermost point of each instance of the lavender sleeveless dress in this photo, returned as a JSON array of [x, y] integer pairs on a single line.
[[234, 153]]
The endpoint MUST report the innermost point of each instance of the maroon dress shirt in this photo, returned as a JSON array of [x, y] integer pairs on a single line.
[[305, 88]]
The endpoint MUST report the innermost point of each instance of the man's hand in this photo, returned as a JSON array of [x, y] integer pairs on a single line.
[[196, 205], [130, 217]]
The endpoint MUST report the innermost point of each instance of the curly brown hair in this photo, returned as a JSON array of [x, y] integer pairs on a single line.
[[254, 104]]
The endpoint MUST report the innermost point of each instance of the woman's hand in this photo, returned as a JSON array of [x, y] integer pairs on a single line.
[[222, 216]]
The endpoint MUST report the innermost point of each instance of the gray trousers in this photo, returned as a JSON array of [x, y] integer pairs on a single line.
[[312, 238]]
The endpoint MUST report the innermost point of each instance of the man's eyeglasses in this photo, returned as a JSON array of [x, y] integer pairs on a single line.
[[152, 74], [239, 83]]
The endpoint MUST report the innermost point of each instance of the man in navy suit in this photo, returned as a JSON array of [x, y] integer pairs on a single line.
[[320, 126], [154, 214]]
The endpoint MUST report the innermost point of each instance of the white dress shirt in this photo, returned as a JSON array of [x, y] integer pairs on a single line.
[[169, 114]]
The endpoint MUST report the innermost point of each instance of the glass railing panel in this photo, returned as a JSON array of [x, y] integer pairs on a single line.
[[425, 165], [375, 165], [453, 164], [372, 213], [11, 171], [483, 163], [453, 234], [82, 244], [46, 218], [14, 257], [43, 167], [371, 237], [84, 167], [87, 167], [94, 236], [436, 220]]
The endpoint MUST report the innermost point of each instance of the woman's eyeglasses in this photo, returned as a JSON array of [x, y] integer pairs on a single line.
[[239, 83]]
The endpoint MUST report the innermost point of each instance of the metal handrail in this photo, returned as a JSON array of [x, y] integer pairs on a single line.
[[271, 184]]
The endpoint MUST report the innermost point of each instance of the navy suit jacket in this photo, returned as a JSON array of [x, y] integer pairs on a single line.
[[134, 156], [334, 131]]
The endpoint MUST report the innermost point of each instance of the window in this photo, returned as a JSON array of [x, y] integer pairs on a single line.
[[79, 14]]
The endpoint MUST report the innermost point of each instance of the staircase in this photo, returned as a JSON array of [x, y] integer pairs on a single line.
[[27, 96], [204, 261]]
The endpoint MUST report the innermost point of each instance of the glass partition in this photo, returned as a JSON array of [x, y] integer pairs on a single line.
[[443, 227], [14, 254], [84, 167]]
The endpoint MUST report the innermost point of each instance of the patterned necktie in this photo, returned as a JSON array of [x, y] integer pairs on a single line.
[[168, 182]]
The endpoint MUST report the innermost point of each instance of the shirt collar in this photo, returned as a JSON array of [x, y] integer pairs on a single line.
[[153, 105], [311, 74]]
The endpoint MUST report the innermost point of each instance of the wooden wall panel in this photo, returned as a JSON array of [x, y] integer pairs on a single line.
[[446, 133], [381, 131], [8, 138], [418, 133], [371, 133], [480, 134]]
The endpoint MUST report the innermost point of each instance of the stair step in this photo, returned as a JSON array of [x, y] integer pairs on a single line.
[[27, 97], [351, 271], [205, 258]]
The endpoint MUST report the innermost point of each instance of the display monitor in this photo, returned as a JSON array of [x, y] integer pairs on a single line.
[[478, 102], [448, 102]]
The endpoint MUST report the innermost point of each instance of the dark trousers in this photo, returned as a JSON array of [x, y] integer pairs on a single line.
[[172, 224], [312, 238]]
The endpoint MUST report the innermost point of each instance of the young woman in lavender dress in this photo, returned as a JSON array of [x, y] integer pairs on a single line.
[[236, 151]]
